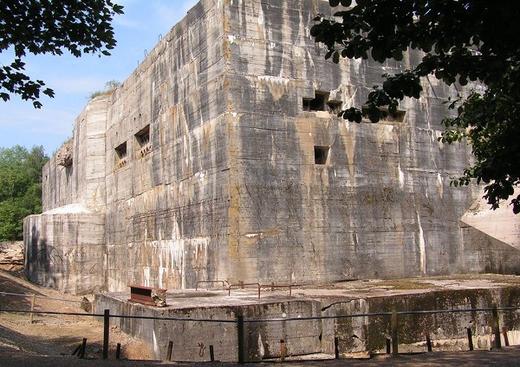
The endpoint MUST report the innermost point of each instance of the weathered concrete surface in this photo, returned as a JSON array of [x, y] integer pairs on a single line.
[[66, 251], [362, 335], [226, 185]]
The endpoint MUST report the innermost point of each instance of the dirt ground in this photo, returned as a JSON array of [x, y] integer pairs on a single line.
[[509, 357], [54, 335]]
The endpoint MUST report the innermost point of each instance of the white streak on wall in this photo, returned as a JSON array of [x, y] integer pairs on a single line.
[[422, 245], [401, 176]]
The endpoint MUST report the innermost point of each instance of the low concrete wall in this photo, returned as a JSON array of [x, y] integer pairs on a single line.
[[191, 340], [356, 335], [65, 251]]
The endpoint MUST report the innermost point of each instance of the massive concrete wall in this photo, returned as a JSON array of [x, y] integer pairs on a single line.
[[166, 212], [202, 163], [381, 206]]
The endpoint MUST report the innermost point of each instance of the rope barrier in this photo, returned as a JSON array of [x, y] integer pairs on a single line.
[[282, 319]]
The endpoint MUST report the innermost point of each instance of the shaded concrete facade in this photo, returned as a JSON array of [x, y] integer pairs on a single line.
[[221, 158]]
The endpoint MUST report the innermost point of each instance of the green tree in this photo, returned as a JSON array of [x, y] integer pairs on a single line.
[[50, 27], [461, 42], [20, 188]]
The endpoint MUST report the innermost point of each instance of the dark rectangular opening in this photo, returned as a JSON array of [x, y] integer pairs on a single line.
[[121, 151], [398, 116], [335, 106], [321, 154], [143, 142], [143, 136], [318, 103]]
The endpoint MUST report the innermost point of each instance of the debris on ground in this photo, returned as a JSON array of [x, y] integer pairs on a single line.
[[11, 256]]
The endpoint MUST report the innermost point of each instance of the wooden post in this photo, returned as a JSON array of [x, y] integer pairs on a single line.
[[394, 327], [241, 336], [428, 342], [33, 301], [211, 354], [83, 349], [470, 338], [283, 350], [388, 345], [506, 338], [118, 351], [169, 351], [106, 332], [496, 328], [336, 347]]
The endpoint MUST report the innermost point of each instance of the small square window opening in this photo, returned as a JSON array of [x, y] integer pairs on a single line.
[[121, 151], [318, 103], [143, 141], [321, 155], [121, 155], [143, 136]]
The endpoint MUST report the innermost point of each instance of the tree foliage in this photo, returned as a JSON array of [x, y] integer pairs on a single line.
[[461, 42], [50, 27], [20, 188]]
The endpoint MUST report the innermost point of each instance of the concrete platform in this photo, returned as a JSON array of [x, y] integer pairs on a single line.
[[357, 336]]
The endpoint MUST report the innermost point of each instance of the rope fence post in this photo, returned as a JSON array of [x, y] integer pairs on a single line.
[[211, 354], [428, 342], [106, 332], [118, 351], [169, 351], [83, 349], [470, 339], [241, 335], [394, 327], [496, 327], [506, 337]]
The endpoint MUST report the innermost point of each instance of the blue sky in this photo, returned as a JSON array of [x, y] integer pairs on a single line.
[[74, 79]]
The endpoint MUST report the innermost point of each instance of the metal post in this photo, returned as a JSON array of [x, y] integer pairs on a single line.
[[388, 346], [259, 291], [496, 328], [470, 339], [428, 342], [241, 335], [33, 301], [336, 347], [211, 354], [169, 351], [394, 327], [118, 351], [106, 332]]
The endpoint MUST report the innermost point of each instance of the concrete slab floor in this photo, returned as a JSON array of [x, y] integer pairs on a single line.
[[355, 289]]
